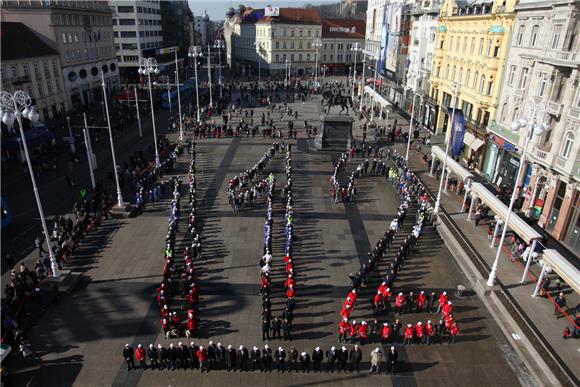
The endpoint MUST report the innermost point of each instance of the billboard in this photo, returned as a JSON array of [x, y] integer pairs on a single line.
[[394, 17], [271, 11], [458, 132]]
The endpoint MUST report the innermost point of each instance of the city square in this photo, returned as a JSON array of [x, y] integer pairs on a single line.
[[275, 192]]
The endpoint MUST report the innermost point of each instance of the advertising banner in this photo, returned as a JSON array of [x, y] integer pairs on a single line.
[[272, 11], [458, 132]]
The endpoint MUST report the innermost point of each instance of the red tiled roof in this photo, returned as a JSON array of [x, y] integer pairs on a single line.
[[294, 16], [343, 28]]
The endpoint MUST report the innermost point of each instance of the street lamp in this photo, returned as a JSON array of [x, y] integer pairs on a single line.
[[209, 75], [316, 44], [119, 194], [258, 46], [534, 119], [219, 44], [194, 53], [16, 106], [356, 48], [286, 79], [455, 86], [72, 146], [148, 66], [418, 78], [376, 57], [362, 83]]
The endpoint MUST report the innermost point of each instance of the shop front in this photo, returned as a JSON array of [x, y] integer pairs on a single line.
[[501, 163]]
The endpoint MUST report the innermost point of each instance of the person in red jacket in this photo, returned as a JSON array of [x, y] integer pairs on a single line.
[[363, 331], [443, 298], [289, 266], [449, 320], [386, 333], [400, 303], [352, 331], [408, 334], [429, 332], [290, 281], [202, 358], [453, 332], [140, 355], [343, 329], [290, 293], [349, 302], [419, 332], [353, 295], [165, 312], [378, 303], [421, 302], [447, 308], [345, 312]]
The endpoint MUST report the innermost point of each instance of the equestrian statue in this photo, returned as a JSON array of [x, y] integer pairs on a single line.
[[334, 97]]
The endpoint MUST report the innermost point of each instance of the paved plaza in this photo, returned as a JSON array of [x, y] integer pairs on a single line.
[[80, 340]]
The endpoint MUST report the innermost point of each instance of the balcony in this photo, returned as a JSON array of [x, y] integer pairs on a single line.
[[519, 93], [554, 108], [544, 157], [561, 58], [574, 113], [16, 80]]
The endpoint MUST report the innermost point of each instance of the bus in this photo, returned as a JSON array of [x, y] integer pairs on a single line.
[[187, 90]]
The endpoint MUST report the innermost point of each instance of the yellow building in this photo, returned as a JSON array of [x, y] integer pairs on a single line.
[[473, 40]]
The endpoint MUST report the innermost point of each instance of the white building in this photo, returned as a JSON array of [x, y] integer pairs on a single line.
[[203, 25], [421, 48], [264, 43], [543, 66], [137, 27]]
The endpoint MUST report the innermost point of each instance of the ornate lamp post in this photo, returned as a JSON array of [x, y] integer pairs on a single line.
[[316, 44], [14, 107], [356, 48], [219, 44], [195, 52], [148, 66], [534, 120], [258, 46]]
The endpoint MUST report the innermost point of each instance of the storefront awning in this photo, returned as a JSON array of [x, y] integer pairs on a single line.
[[569, 273], [378, 98], [517, 224], [471, 141], [453, 165]]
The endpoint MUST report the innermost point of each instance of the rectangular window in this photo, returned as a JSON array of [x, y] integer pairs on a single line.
[[543, 85], [534, 38], [524, 78], [489, 87], [49, 87], [128, 34], [512, 75], [556, 36], [40, 90], [126, 22], [481, 46], [125, 9], [520, 37], [46, 69]]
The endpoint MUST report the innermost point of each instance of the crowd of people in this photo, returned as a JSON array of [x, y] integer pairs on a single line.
[[181, 273], [216, 356], [242, 192]]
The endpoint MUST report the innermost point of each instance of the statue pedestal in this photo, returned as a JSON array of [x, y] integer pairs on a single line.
[[335, 133]]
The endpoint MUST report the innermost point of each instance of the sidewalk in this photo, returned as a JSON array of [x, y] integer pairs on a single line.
[[539, 311]]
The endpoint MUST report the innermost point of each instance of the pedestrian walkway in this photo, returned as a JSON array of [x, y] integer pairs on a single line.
[[539, 310]]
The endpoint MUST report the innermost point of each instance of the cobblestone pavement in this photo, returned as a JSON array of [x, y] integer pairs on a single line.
[[81, 338]]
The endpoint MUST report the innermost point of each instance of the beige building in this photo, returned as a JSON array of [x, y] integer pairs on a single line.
[[82, 34], [34, 67], [257, 42], [543, 66]]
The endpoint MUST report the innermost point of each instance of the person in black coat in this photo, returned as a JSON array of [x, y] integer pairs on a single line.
[[287, 327], [163, 356], [342, 359], [276, 328], [243, 358], [232, 357], [221, 356], [267, 359], [304, 359], [173, 354], [153, 356], [255, 356], [317, 357], [280, 356], [193, 355], [212, 354], [355, 358], [392, 357], [129, 356], [331, 356], [183, 354], [265, 328]]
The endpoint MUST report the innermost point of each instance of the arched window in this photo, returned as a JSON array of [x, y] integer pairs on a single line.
[[475, 78], [453, 74], [447, 72], [482, 84], [467, 77], [460, 75], [567, 145], [515, 116], [504, 109]]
